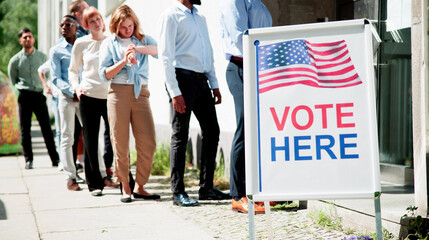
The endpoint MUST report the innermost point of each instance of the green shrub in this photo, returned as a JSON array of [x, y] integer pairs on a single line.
[[161, 161]]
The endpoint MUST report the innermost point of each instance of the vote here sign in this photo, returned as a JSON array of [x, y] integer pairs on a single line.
[[310, 112]]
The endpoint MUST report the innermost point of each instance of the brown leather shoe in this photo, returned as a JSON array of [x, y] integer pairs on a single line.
[[108, 183], [243, 206], [72, 185], [272, 204]]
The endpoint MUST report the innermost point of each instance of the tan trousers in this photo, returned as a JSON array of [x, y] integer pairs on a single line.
[[124, 109]]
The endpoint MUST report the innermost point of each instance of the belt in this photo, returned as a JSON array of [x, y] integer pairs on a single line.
[[237, 61], [234, 58], [191, 73]]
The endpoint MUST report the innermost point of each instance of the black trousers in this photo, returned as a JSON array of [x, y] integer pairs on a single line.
[[199, 100], [29, 102], [92, 110]]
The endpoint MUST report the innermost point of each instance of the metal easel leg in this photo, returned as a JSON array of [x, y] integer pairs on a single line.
[[377, 207], [251, 215]]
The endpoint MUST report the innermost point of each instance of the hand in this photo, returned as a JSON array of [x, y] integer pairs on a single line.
[[47, 89], [130, 54], [79, 91], [179, 104], [217, 96], [75, 99]]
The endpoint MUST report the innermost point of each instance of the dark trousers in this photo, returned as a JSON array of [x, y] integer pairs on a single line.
[[199, 100], [108, 150], [234, 78], [77, 130], [92, 110], [30, 102]]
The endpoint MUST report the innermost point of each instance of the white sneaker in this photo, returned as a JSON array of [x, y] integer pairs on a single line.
[[60, 166], [96, 192]]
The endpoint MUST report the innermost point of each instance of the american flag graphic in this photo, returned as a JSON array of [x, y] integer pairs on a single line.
[[322, 65]]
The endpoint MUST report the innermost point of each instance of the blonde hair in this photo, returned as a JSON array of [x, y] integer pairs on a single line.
[[75, 7], [89, 13], [121, 14]]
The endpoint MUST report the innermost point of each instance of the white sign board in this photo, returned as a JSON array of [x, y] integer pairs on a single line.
[[310, 118]]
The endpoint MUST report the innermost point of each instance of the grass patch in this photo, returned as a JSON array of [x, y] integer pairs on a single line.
[[161, 160], [220, 180], [326, 217], [288, 205]]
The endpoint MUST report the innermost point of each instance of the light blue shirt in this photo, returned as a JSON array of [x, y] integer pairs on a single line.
[[60, 56], [184, 43], [237, 16], [110, 54]]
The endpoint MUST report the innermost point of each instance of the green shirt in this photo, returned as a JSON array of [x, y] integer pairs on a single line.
[[23, 70]]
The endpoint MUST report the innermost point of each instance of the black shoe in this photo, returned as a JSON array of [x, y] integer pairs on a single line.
[[182, 199], [79, 167], [80, 180], [147, 197], [126, 199], [212, 194], [28, 165]]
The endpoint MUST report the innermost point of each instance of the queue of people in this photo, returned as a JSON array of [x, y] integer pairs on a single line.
[[106, 77]]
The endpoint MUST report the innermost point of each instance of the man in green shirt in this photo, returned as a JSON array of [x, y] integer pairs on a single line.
[[23, 74]]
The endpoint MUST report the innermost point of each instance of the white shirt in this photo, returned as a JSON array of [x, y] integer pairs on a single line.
[[123, 79], [85, 52], [184, 43]]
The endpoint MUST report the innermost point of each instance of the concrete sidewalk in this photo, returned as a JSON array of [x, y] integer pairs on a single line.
[[35, 204]]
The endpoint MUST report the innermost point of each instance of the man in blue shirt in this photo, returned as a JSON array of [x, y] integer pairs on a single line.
[[23, 74], [187, 56], [68, 103], [236, 17]]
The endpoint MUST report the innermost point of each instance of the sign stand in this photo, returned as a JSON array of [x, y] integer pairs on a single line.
[[251, 214], [377, 207], [269, 223]]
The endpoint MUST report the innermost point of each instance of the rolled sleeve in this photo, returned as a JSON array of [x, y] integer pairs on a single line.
[[106, 58], [57, 79]]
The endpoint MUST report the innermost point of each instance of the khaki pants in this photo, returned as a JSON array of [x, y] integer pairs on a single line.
[[124, 109]]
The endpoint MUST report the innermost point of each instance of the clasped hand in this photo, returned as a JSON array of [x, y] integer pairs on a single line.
[[130, 54]]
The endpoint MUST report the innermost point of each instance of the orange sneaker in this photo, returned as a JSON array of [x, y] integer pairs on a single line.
[[243, 206]]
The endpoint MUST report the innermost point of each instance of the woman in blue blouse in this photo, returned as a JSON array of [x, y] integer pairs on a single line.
[[124, 62]]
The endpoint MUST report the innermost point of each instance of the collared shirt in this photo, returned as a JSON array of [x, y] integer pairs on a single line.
[[110, 54], [81, 32], [184, 43], [238, 16], [60, 56], [45, 68], [23, 70]]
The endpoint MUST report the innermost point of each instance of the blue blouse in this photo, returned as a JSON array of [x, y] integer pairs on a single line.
[[110, 54]]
